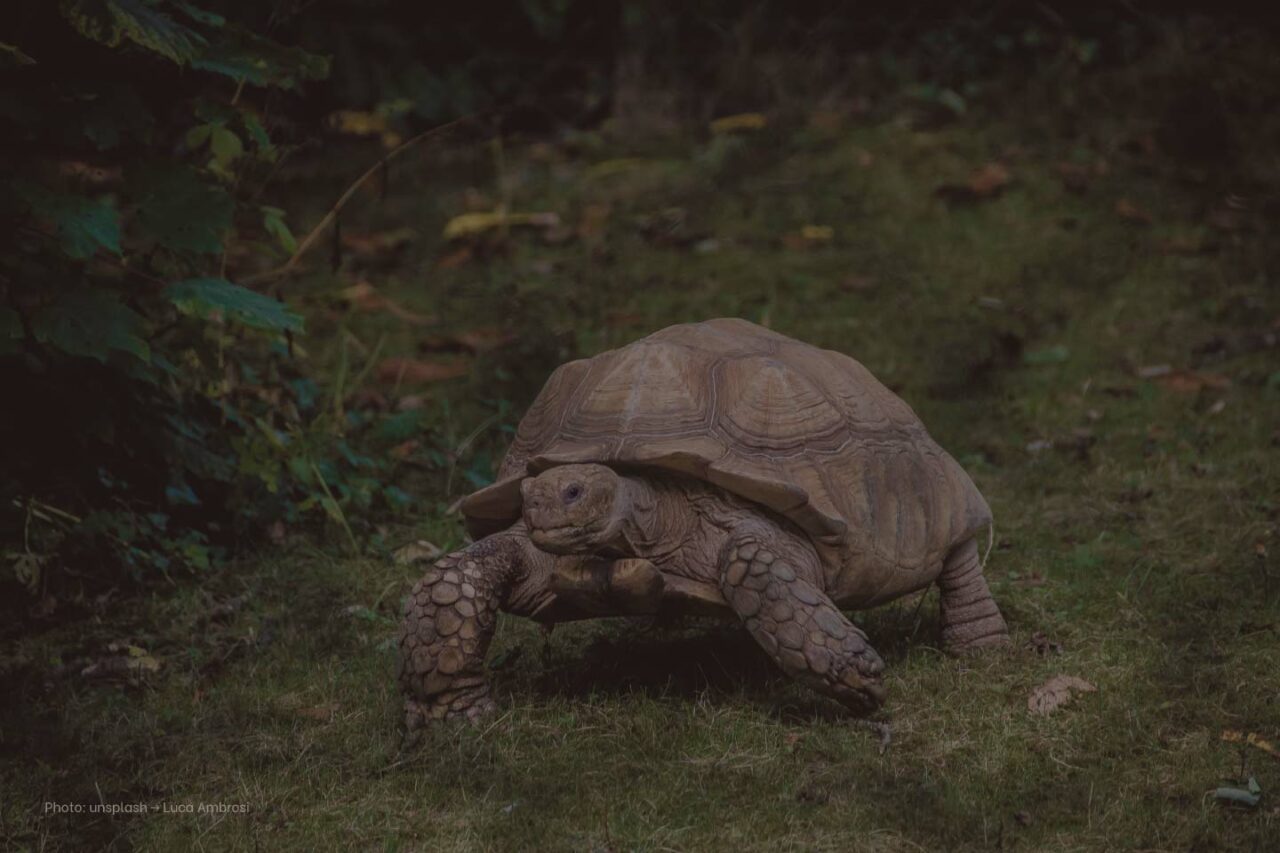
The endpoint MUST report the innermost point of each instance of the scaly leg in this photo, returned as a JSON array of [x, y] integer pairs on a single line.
[[796, 623], [449, 620], [970, 618]]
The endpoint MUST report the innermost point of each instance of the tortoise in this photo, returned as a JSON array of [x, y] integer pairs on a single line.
[[714, 467]]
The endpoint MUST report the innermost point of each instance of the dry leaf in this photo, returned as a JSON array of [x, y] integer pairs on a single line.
[[365, 297], [1191, 381], [1126, 209], [324, 713], [987, 181], [738, 123], [378, 243], [128, 662], [416, 371], [1055, 692], [455, 259], [419, 551], [478, 340], [1252, 739], [1042, 645], [359, 123], [808, 236], [404, 449], [474, 224]]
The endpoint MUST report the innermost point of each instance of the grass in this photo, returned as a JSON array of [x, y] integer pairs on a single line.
[[1136, 521]]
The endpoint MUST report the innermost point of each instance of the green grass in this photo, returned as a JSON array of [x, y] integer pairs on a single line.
[[1142, 541]]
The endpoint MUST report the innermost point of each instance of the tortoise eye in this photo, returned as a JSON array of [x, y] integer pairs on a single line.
[[572, 493]]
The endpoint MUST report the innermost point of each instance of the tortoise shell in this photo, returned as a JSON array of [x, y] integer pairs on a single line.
[[806, 432]]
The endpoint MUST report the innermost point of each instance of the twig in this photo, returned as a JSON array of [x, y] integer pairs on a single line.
[[313, 236]]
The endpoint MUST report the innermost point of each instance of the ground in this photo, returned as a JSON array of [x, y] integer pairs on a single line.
[[1089, 327]]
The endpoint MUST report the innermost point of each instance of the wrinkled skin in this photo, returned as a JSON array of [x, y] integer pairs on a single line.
[[595, 542]]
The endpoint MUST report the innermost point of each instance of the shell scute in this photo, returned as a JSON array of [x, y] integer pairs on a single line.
[[805, 432]]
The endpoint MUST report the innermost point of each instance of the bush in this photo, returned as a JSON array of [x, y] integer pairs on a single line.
[[155, 412]]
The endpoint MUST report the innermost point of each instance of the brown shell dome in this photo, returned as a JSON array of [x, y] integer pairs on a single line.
[[806, 432]]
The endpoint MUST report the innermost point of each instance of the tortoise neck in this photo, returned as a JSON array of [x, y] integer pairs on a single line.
[[647, 518]]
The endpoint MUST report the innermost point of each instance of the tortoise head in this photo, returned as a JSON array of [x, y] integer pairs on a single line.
[[574, 509]]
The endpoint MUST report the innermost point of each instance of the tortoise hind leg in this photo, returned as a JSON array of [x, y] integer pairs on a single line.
[[798, 625], [970, 618]]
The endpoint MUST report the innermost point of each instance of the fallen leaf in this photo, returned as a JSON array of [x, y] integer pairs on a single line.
[[1055, 692], [324, 713], [378, 243], [808, 236], [1191, 381], [130, 662], [416, 552], [738, 123], [365, 297], [1252, 739], [1126, 209], [411, 403], [404, 449], [1154, 370], [455, 259], [1042, 645], [398, 369], [360, 123], [987, 181], [478, 340], [473, 224]]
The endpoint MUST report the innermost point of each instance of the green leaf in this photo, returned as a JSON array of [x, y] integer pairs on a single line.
[[91, 323], [273, 222], [113, 22], [198, 136], [210, 297], [199, 15], [225, 145], [259, 135], [1051, 355], [11, 55], [181, 211], [83, 224], [241, 54]]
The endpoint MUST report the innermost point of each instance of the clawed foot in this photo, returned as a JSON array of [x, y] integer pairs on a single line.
[[471, 704]]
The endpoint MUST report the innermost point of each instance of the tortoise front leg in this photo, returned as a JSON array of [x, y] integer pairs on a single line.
[[797, 624], [449, 619]]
